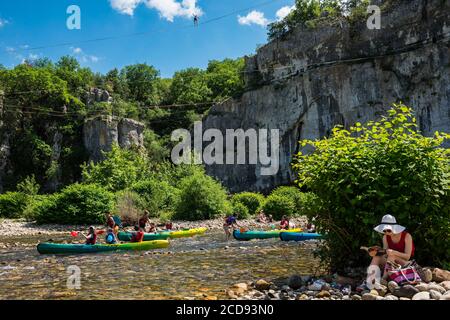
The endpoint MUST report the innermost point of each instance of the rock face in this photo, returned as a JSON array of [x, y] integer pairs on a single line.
[[100, 133], [96, 95], [313, 79]]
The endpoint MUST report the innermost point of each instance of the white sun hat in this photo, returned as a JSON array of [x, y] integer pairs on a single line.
[[389, 223]]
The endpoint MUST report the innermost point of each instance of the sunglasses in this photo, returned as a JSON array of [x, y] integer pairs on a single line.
[[387, 231]]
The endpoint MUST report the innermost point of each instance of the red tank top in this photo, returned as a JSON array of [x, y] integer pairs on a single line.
[[399, 246]]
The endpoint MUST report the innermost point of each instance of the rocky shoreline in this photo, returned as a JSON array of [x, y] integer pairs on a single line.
[[10, 227], [435, 286]]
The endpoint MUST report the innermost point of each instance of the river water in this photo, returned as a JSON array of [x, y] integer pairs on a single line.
[[191, 268]]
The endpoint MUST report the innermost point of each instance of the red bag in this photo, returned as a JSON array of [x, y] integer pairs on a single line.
[[406, 275]]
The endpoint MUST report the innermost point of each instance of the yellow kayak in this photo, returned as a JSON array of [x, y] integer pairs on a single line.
[[186, 233]]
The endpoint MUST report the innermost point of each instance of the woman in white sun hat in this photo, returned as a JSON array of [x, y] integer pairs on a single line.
[[397, 242]]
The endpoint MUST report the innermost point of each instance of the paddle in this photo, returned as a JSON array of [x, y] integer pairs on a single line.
[[77, 233]]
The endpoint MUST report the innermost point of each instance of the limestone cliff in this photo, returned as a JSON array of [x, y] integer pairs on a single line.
[[100, 133], [312, 79]]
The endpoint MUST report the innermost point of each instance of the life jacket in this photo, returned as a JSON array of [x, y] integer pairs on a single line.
[[92, 239], [137, 236], [110, 239], [169, 226], [399, 246]]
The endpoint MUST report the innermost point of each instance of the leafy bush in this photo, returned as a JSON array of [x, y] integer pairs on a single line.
[[120, 169], [304, 201], [201, 197], [13, 204], [157, 196], [384, 167], [76, 204], [241, 210], [253, 201], [279, 206]]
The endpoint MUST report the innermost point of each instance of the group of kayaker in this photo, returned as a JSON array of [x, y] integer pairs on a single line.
[[231, 223]]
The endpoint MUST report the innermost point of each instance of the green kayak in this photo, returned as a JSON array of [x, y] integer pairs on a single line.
[[126, 236], [59, 248], [260, 234]]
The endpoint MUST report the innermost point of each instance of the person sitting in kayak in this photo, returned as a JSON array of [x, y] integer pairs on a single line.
[[137, 235], [152, 228], [284, 224], [230, 223], [262, 218], [144, 220], [91, 237], [110, 237], [169, 225]]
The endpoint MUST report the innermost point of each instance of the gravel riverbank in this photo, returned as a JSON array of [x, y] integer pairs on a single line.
[[436, 286]]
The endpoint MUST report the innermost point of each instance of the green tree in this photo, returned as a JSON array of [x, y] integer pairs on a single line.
[[382, 167], [141, 83], [190, 86], [225, 78], [118, 171]]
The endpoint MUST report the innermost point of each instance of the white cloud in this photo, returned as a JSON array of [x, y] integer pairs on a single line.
[[254, 17], [168, 9], [83, 57], [125, 6], [3, 22], [284, 11]]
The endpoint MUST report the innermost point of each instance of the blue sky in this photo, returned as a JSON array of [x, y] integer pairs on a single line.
[[171, 42]]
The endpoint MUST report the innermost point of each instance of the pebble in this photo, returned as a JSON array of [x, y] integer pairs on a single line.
[[427, 275], [241, 285], [295, 282], [262, 285], [422, 287], [323, 294], [435, 295], [407, 291], [390, 297], [392, 286], [436, 287], [368, 296], [445, 285], [356, 297], [421, 296], [440, 275], [302, 297]]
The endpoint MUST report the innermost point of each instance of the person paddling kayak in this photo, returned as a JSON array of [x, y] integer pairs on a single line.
[[91, 237], [137, 235], [230, 223]]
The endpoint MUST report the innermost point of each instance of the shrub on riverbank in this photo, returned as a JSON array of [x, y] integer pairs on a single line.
[[13, 204], [299, 198], [157, 196], [252, 201], [279, 206], [241, 210], [379, 168], [201, 197], [76, 204]]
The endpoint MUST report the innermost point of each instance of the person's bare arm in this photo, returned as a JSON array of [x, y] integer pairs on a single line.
[[385, 244], [408, 249]]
